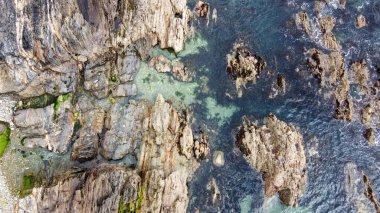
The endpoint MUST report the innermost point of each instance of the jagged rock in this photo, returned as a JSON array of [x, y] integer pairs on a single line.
[[327, 68], [359, 68], [50, 127], [213, 189], [103, 189], [330, 72], [243, 66], [218, 158], [176, 67], [370, 136], [327, 24], [91, 120], [202, 9], [360, 22], [359, 190], [343, 103], [276, 150], [201, 146], [303, 22], [366, 114]]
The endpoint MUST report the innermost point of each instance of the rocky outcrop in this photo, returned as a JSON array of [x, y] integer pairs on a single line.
[[175, 67], [359, 190], [276, 150], [159, 138], [303, 22], [46, 45], [50, 127], [360, 21], [327, 24], [202, 9], [360, 70], [331, 74], [243, 66]]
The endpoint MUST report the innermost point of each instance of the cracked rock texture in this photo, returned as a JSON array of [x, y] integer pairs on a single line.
[[47, 45], [159, 137], [275, 149]]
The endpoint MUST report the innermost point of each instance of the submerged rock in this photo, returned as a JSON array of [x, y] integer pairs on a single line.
[[276, 150], [243, 66], [176, 67]]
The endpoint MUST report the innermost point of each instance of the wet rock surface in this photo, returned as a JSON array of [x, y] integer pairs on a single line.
[[276, 150]]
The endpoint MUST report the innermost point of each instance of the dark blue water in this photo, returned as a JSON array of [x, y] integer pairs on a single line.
[[268, 28]]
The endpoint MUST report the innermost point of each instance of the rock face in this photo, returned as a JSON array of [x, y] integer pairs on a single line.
[[47, 44], [166, 154], [103, 189], [243, 66], [359, 190], [276, 150], [50, 127]]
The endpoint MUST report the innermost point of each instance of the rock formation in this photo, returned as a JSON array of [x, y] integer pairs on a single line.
[[327, 24], [331, 74], [50, 127], [243, 66], [158, 137], [276, 150], [46, 45]]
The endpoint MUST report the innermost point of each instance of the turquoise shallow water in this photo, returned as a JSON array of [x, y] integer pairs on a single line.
[[268, 28]]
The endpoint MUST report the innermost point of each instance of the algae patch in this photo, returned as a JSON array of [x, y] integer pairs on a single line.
[[4, 140]]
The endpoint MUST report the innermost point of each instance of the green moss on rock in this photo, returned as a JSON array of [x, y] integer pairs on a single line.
[[4, 140]]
